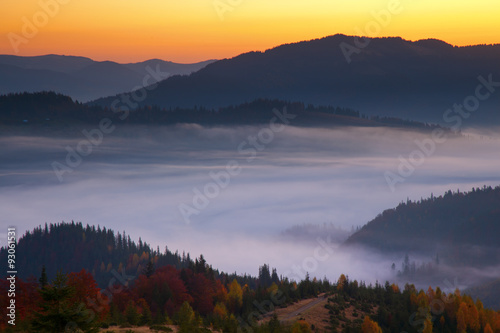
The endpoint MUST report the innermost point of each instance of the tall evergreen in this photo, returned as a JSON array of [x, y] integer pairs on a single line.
[[58, 313], [150, 269], [43, 278]]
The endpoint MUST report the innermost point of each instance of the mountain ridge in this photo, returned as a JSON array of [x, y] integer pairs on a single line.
[[394, 75], [80, 77]]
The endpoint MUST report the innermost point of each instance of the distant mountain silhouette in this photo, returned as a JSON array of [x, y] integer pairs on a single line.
[[81, 78], [391, 76]]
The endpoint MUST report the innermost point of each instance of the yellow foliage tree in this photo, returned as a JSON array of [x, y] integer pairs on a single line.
[[427, 326], [220, 310], [273, 288], [341, 282], [422, 300], [135, 260], [369, 326], [301, 326], [144, 256], [235, 296], [442, 321]]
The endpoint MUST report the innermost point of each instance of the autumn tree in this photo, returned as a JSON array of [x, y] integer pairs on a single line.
[[473, 318], [300, 326], [235, 296], [462, 318], [220, 311], [164, 291], [27, 300], [487, 329], [220, 292], [87, 294], [369, 326], [202, 291], [341, 282], [427, 326]]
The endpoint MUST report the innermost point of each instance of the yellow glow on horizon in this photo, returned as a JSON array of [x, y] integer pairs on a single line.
[[189, 31]]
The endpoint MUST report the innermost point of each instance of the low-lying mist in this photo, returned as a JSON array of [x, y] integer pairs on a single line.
[[230, 193]]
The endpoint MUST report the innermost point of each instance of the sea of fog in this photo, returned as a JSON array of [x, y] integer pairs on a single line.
[[230, 193]]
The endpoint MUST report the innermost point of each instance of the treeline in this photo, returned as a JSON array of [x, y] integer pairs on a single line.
[[44, 108], [192, 295], [386, 308], [192, 298], [195, 301], [132, 284], [51, 109], [106, 254], [70, 247]]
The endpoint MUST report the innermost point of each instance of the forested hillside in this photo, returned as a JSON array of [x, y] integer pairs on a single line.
[[51, 109], [387, 308], [103, 279], [71, 247], [149, 288], [194, 301], [461, 227]]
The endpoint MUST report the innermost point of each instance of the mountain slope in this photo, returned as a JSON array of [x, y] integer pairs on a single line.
[[488, 293], [462, 227], [391, 76], [79, 77], [71, 247]]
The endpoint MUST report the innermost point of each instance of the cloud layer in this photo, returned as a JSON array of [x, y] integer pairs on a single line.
[[138, 177]]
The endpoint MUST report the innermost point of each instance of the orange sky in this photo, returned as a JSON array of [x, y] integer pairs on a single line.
[[195, 30]]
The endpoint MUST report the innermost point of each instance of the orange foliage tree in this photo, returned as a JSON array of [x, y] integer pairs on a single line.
[[369, 326]]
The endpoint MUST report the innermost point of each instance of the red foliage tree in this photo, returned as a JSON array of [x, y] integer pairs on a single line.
[[202, 290], [163, 291], [87, 293], [26, 298]]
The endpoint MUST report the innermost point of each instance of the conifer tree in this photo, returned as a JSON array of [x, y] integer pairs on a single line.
[[43, 278], [150, 269], [186, 319], [57, 312]]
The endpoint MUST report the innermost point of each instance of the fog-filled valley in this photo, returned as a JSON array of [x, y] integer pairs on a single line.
[[250, 166], [248, 195]]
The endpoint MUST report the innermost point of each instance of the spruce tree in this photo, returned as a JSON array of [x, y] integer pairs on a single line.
[[150, 269], [131, 314], [43, 278], [58, 314]]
